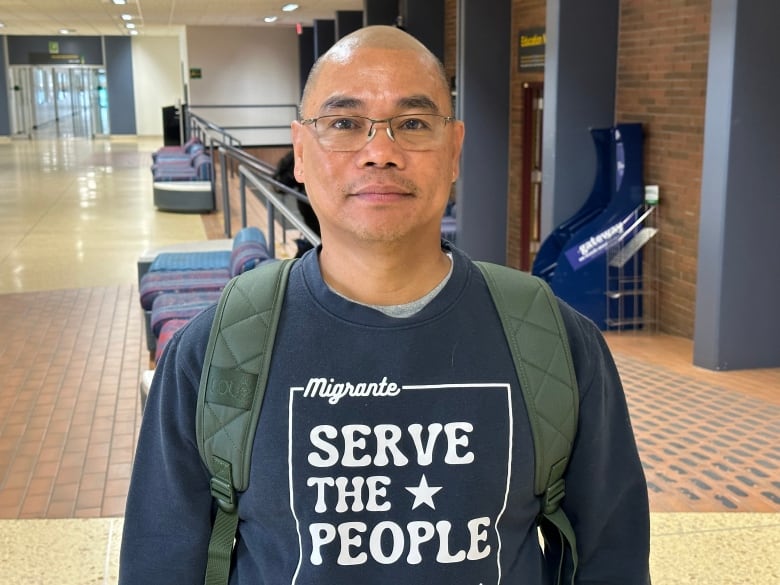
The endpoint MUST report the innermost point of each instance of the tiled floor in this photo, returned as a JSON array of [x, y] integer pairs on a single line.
[[75, 215], [70, 360]]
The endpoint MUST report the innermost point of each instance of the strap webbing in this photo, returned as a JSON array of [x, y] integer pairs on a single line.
[[223, 534], [567, 540]]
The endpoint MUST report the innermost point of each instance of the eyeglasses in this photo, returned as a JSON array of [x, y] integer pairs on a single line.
[[351, 133]]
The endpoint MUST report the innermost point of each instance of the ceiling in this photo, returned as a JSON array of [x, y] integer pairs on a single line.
[[155, 17]]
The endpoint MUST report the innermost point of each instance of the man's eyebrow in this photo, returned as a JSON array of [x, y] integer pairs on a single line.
[[417, 102], [413, 102], [341, 102]]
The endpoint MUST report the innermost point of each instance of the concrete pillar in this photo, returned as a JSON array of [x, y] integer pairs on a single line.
[[738, 275], [305, 54], [424, 19], [348, 21], [482, 80], [579, 94], [324, 36], [5, 111], [380, 12]]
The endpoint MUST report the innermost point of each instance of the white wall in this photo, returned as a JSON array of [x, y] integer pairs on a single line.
[[157, 78], [245, 66]]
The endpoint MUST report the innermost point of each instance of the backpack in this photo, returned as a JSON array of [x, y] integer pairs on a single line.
[[235, 373]]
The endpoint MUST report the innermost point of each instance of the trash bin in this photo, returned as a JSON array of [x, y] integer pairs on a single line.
[[171, 126]]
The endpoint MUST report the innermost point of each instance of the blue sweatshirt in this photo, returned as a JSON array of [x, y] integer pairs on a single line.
[[388, 451]]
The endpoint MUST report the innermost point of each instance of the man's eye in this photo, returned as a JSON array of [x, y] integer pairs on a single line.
[[413, 124], [345, 124]]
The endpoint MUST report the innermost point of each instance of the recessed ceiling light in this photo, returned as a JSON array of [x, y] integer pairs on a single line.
[[289, 7], [1, 25], [119, 2], [133, 32], [270, 19], [66, 31], [127, 17], [130, 25]]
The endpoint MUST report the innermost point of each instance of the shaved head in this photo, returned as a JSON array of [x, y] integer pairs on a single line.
[[379, 193], [372, 37]]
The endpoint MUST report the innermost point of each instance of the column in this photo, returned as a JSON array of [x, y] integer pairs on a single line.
[[380, 12], [324, 36], [579, 94], [305, 54], [483, 78], [424, 19], [348, 21], [738, 274]]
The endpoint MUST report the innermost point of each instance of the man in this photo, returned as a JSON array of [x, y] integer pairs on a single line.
[[426, 474]]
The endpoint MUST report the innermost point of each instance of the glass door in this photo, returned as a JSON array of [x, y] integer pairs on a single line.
[[21, 100], [48, 102], [88, 101]]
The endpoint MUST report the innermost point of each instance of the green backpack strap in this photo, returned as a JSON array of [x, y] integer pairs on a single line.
[[230, 396], [537, 337]]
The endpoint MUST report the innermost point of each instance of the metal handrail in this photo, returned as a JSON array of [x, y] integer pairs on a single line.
[[262, 173], [229, 106], [273, 204], [259, 173], [282, 121], [203, 127]]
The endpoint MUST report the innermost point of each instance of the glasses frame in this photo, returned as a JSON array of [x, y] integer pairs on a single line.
[[371, 129]]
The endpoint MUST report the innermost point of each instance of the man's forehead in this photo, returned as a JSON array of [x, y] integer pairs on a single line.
[[417, 102], [405, 78], [375, 60]]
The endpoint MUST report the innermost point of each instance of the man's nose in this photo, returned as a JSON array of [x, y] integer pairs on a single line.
[[381, 150], [372, 130]]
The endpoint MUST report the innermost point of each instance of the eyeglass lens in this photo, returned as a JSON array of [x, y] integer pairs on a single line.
[[351, 133]]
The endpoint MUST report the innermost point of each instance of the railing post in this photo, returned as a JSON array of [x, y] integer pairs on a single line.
[[242, 192], [271, 230], [214, 169], [225, 193], [275, 204]]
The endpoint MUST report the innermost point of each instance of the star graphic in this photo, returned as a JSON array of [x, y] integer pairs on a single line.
[[423, 494]]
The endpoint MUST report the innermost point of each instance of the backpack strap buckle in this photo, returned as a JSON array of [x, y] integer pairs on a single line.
[[221, 485], [223, 492], [552, 496]]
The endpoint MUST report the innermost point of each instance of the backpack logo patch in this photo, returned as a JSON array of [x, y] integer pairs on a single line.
[[231, 387]]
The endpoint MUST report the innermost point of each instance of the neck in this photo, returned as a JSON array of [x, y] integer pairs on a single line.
[[381, 273]]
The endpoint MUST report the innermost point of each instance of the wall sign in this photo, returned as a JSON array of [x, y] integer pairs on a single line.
[[531, 43], [55, 59]]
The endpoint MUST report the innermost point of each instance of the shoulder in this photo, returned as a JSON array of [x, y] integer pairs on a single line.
[[187, 347], [592, 358], [579, 328], [172, 398]]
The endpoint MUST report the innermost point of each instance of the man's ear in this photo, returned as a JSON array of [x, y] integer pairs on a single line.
[[459, 132], [297, 142]]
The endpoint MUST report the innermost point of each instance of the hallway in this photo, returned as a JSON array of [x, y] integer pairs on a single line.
[[76, 214]]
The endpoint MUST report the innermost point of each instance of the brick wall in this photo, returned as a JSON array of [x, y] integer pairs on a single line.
[[450, 36], [525, 14], [662, 81]]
